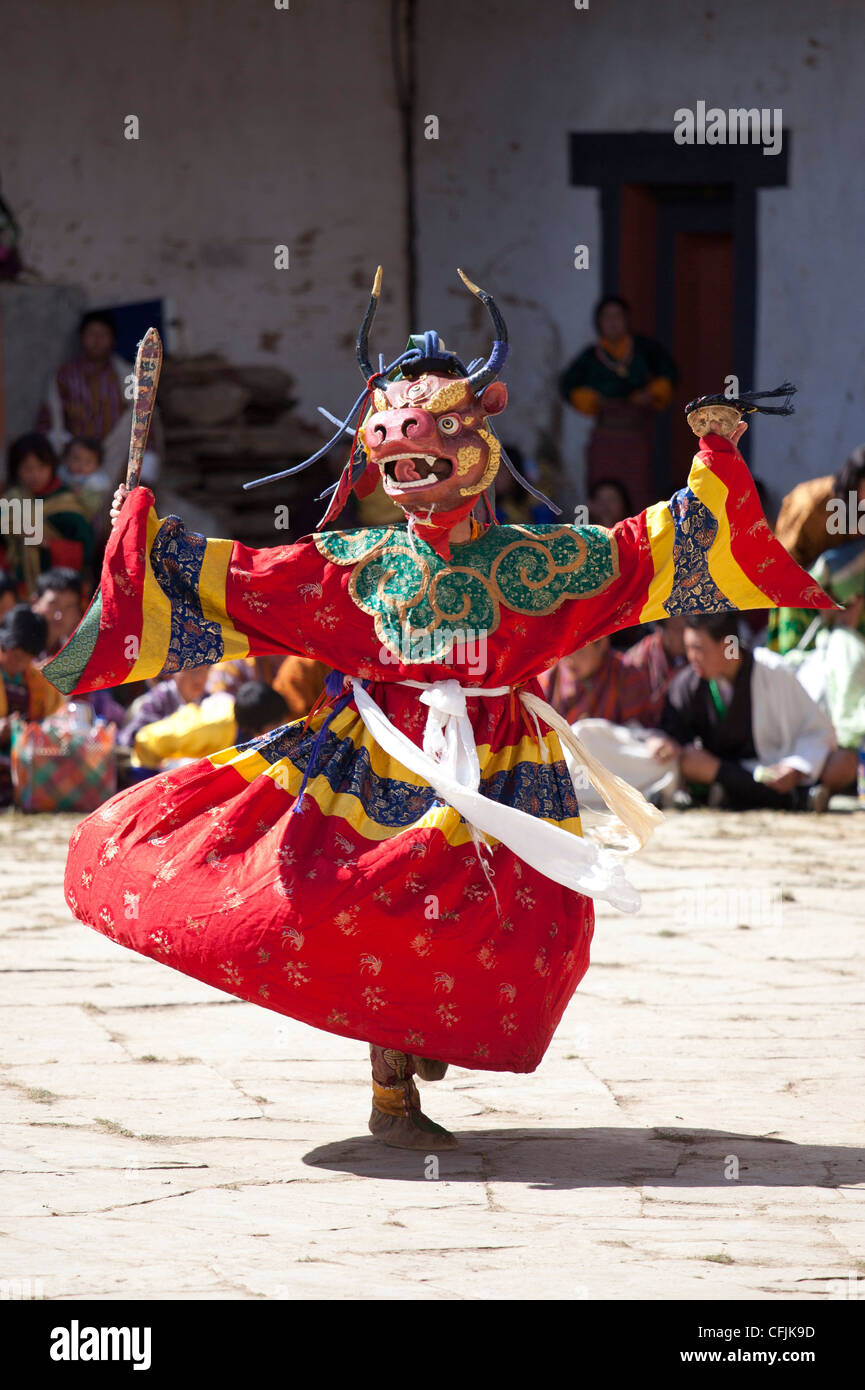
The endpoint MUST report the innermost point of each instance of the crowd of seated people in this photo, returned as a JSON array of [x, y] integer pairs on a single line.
[[738, 710], [57, 489], [722, 710], [157, 724], [729, 725]]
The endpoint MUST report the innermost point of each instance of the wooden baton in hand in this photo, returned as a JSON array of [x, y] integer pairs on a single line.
[[148, 364]]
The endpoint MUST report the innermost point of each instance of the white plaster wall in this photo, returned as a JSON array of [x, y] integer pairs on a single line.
[[495, 193], [261, 126], [257, 127]]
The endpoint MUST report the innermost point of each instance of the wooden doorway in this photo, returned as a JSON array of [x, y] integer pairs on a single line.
[[677, 272], [679, 241]]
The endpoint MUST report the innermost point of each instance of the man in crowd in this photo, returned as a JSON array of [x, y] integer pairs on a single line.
[[220, 720], [185, 687], [609, 703], [742, 729], [596, 683], [661, 653]]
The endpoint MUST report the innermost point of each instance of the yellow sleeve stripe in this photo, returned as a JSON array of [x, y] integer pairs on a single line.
[[155, 616], [211, 592], [730, 578], [659, 524]]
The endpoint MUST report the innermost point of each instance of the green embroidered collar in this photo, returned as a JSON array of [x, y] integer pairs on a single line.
[[412, 593]]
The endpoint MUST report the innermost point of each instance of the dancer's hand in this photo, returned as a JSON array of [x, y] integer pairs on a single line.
[[120, 497], [737, 433]]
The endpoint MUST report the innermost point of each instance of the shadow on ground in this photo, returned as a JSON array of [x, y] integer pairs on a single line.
[[570, 1158]]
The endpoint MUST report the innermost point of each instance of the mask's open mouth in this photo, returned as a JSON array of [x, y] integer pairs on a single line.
[[403, 472]]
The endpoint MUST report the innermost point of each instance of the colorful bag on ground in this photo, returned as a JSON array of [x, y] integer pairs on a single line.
[[62, 770]]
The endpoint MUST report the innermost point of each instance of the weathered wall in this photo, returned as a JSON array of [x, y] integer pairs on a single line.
[[261, 126], [257, 127], [495, 194], [39, 323]]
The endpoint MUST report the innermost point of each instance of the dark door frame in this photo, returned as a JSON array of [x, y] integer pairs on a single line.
[[714, 215], [606, 161]]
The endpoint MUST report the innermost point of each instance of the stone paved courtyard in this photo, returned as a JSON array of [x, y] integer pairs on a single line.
[[695, 1130]]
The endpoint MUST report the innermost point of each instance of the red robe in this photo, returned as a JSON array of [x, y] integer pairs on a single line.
[[367, 914]]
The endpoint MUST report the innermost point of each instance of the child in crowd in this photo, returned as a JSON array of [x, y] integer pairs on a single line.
[[59, 596], [23, 688], [55, 528], [81, 469]]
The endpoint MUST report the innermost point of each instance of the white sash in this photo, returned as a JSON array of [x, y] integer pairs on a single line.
[[449, 763]]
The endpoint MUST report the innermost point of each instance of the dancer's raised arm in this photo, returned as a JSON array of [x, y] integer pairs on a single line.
[[708, 549], [170, 598]]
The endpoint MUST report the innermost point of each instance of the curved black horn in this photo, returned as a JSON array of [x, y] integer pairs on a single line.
[[496, 360], [366, 367]]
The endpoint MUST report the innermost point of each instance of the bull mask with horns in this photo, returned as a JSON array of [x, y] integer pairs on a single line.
[[422, 424]]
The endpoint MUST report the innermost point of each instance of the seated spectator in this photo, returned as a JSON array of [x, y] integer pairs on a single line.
[[60, 599], [813, 526], [258, 709], [61, 532], [833, 673], [183, 688], [743, 730], [195, 730], [230, 675], [609, 502], [81, 469], [219, 721], [660, 654], [300, 680], [23, 688], [87, 397], [841, 571], [8, 593], [606, 699], [59, 596], [596, 682]]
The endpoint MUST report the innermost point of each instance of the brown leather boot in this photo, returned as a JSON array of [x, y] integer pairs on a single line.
[[396, 1117]]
